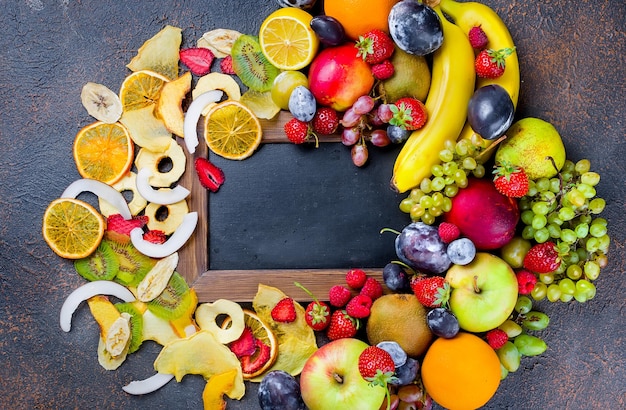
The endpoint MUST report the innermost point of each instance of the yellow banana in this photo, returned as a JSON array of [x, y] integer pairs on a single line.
[[470, 14], [452, 85]]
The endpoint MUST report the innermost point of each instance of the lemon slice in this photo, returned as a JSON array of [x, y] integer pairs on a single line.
[[104, 152], [232, 131], [287, 39], [72, 228]]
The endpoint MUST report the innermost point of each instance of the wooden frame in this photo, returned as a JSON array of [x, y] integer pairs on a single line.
[[241, 285]]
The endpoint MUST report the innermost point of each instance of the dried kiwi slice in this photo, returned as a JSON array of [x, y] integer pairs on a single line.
[[100, 265], [174, 301], [251, 65], [136, 324], [133, 265]]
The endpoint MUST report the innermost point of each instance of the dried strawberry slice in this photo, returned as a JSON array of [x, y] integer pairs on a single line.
[[117, 223], [198, 60], [211, 177], [245, 345], [252, 363]]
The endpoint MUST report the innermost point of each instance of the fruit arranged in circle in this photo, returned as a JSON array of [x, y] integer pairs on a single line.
[[287, 40], [232, 131], [72, 228], [462, 372], [359, 16], [103, 152]]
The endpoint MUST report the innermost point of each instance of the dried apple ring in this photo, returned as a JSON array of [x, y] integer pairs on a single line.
[[137, 202], [154, 161], [207, 314], [166, 218]]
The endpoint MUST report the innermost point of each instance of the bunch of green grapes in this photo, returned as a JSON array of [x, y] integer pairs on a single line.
[[431, 198], [565, 209]]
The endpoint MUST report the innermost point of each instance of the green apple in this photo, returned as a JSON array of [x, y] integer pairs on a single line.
[[483, 293], [330, 378]]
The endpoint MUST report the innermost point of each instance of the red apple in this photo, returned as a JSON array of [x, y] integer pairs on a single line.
[[331, 379], [483, 214], [337, 77]]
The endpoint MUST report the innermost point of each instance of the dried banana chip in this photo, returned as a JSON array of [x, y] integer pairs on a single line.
[[219, 41]]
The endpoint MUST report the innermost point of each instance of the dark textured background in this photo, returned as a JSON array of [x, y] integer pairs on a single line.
[[572, 63]]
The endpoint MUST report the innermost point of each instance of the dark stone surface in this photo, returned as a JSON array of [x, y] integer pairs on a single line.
[[572, 63]]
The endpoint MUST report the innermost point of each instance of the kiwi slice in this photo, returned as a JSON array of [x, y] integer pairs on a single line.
[[251, 65], [174, 301], [136, 324], [133, 265], [100, 265]]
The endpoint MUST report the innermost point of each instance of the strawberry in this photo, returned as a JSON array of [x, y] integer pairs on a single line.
[[355, 278], [226, 65], [477, 38], [526, 281], [198, 59], [510, 180], [375, 46], [284, 311], [253, 362], [325, 121], [372, 288], [542, 258], [211, 177], [339, 295], [408, 113], [431, 291], [117, 223], [245, 345], [297, 131], [342, 325], [155, 236], [383, 70], [377, 367], [448, 232], [316, 313], [496, 338], [359, 306], [491, 63]]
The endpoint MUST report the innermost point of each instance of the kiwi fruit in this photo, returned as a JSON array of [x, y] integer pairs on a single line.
[[251, 65], [411, 78], [174, 301], [133, 265], [100, 265], [401, 318], [136, 324]]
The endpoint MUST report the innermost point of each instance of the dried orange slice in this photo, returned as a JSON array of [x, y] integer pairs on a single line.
[[261, 333], [72, 228], [141, 89], [103, 152], [232, 131]]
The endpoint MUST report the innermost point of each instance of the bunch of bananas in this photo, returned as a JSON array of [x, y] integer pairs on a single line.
[[452, 85]]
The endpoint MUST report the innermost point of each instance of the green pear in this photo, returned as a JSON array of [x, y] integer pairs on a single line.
[[411, 77], [530, 144]]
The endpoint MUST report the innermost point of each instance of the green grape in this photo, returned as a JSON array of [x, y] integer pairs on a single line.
[[446, 155], [425, 185], [590, 178], [585, 219], [575, 197], [462, 183], [541, 235], [462, 147], [539, 292], [447, 204], [597, 205], [566, 214], [451, 190], [524, 203], [592, 244], [580, 297], [566, 298], [449, 168], [597, 230], [469, 163], [586, 287], [553, 293], [479, 171], [448, 180], [532, 189], [438, 183], [582, 230], [586, 190], [416, 212], [426, 201], [511, 328], [554, 231], [523, 305], [572, 258], [528, 232], [582, 166], [605, 242], [534, 320], [567, 286], [435, 210], [541, 208], [543, 184], [527, 216], [568, 166], [546, 278], [553, 218], [449, 145], [529, 345], [549, 196], [509, 356], [436, 170], [415, 194], [406, 204], [437, 199], [592, 270], [428, 219], [601, 221], [568, 236], [562, 247], [555, 185], [601, 259], [539, 221]]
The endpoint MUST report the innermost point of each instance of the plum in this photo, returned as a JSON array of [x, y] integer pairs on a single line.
[[280, 391], [484, 215], [329, 30], [490, 111], [420, 246], [415, 27]]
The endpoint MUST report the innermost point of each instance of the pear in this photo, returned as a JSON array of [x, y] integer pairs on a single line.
[[533, 144], [411, 77]]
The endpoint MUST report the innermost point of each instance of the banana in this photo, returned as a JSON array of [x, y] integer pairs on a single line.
[[101, 103], [452, 85], [468, 15]]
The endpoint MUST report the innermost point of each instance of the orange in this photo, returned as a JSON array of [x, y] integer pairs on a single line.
[[360, 16], [103, 152], [462, 372], [232, 131], [72, 228]]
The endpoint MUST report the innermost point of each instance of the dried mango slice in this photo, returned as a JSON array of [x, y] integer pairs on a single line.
[[202, 354], [159, 53], [296, 340], [216, 387], [170, 105], [104, 312]]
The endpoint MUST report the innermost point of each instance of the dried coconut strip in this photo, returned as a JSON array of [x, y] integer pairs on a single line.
[[173, 244], [156, 196], [148, 385], [190, 126], [100, 189]]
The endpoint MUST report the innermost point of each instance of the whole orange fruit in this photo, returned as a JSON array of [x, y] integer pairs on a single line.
[[360, 16], [462, 372]]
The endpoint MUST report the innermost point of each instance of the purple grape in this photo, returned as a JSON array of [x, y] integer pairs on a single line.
[[442, 323], [384, 113], [397, 135], [395, 278], [379, 138], [461, 251], [420, 246], [328, 29], [350, 136], [363, 105], [350, 118], [359, 154], [280, 391]]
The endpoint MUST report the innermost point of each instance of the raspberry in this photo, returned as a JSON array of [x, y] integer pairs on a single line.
[[226, 65], [477, 37], [339, 295], [526, 281], [372, 288], [496, 338], [448, 232], [355, 278], [383, 71], [359, 306]]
